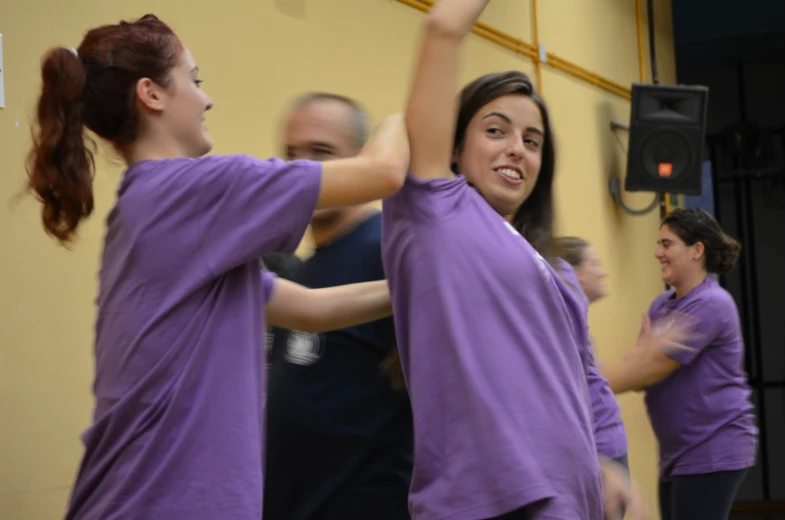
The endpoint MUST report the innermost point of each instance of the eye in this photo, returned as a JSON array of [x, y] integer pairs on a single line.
[[198, 83], [321, 153], [531, 142], [495, 131]]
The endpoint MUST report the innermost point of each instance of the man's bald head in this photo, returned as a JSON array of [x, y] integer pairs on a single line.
[[323, 126]]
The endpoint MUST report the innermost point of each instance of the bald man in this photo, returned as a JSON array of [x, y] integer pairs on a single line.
[[339, 431]]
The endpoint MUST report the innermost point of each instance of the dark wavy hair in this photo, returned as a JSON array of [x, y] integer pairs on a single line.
[[534, 219], [721, 251]]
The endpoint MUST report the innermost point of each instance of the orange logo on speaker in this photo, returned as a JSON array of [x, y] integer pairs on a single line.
[[665, 169]]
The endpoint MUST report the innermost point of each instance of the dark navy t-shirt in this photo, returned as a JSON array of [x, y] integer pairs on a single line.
[[339, 438]]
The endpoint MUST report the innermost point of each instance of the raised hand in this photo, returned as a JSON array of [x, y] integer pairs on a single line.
[[671, 332]]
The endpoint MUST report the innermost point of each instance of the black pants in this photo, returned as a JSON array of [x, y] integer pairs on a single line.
[[700, 497]]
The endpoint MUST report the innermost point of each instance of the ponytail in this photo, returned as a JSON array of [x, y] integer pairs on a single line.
[[60, 166]]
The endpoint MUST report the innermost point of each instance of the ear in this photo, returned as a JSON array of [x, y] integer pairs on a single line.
[[698, 250], [456, 154], [150, 95]]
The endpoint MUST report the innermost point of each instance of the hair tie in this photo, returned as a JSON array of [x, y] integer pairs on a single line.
[[74, 52]]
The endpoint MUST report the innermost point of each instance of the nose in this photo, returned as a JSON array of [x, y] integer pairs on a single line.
[[659, 252], [516, 148], [208, 103]]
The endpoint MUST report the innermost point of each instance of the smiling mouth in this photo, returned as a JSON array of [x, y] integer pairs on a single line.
[[511, 173]]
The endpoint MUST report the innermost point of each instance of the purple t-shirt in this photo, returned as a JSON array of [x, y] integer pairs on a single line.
[[702, 414], [609, 432], [487, 337], [178, 422]]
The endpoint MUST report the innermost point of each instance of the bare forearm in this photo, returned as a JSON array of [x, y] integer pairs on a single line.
[[641, 368], [620, 378], [378, 171], [349, 305], [293, 306]]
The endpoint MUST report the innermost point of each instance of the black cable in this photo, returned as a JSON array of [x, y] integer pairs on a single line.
[[652, 46], [614, 185]]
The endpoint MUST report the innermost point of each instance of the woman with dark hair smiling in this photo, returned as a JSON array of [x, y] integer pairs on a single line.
[[488, 332], [697, 398]]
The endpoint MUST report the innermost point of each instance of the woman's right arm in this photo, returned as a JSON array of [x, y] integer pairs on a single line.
[[431, 110], [376, 173], [245, 208]]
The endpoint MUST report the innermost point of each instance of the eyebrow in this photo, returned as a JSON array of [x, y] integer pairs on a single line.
[[319, 144], [313, 144], [532, 129]]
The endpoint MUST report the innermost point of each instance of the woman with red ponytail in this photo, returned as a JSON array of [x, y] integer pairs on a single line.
[[178, 423]]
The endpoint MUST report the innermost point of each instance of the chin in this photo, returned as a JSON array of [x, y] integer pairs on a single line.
[[207, 147], [599, 296], [324, 216]]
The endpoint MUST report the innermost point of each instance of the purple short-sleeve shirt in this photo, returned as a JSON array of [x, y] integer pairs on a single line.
[[609, 431], [178, 423], [487, 335], [701, 414]]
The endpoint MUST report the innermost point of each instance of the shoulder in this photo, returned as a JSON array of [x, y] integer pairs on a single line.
[[713, 300], [564, 269], [660, 300], [362, 248], [427, 198], [185, 170]]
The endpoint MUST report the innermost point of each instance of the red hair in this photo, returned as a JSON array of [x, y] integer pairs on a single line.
[[91, 87]]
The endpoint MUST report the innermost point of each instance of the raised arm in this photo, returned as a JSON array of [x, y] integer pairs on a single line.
[[431, 111], [377, 172], [293, 306]]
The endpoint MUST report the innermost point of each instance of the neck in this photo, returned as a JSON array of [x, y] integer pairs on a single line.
[[683, 288], [325, 233], [152, 148]]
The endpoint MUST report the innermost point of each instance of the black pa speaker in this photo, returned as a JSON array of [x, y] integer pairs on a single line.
[[667, 132]]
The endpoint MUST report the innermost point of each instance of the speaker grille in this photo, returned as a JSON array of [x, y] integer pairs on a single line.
[[667, 130], [666, 154]]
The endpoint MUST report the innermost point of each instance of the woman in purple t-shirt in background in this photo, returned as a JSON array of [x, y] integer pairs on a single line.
[[179, 386], [488, 332], [609, 429], [698, 398]]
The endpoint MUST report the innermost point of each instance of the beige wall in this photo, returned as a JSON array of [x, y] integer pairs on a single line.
[[254, 58]]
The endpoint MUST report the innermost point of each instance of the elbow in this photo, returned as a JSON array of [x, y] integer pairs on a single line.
[[394, 174], [436, 26]]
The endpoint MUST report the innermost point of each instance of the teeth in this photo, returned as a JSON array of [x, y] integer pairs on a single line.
[[512, 174]]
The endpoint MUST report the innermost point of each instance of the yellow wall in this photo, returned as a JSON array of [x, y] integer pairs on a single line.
[[254, 58]]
